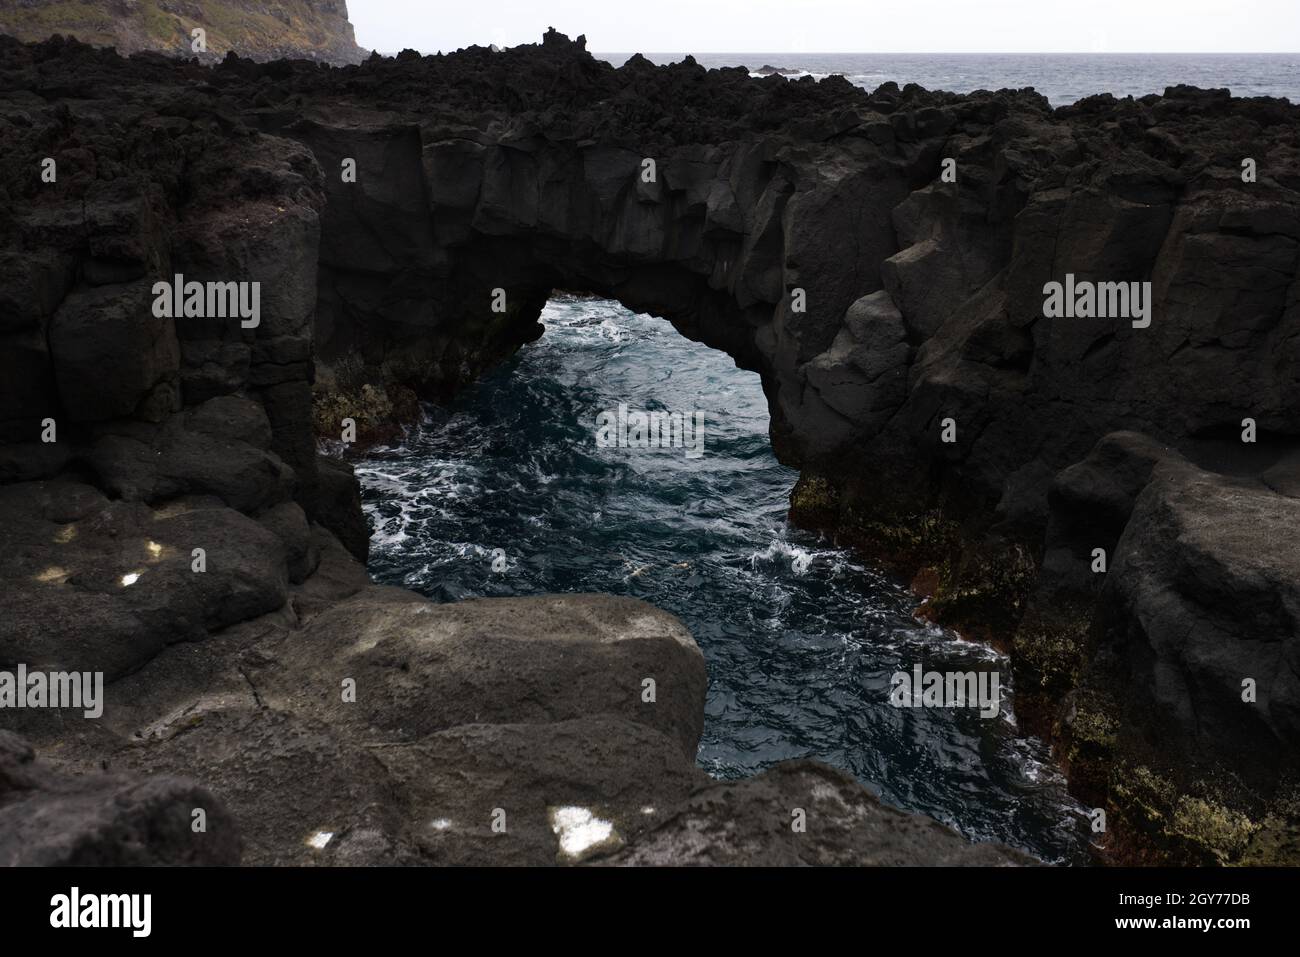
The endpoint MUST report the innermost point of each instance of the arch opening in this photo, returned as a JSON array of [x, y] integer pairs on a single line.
[[506, 491]]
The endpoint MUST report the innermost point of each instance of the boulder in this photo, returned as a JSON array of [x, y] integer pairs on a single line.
[[1202, 605], [803, 813], [104, 586], [338, 506], [106, 820], [420, 667], [111, 354]]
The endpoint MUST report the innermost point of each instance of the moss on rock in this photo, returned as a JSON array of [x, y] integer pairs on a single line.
[[1049, 654], [1143, 799], [1087, 735], [1210, 832], [1276, 840], [369, 407], [985, 589], [814, 502], [1165, 824]]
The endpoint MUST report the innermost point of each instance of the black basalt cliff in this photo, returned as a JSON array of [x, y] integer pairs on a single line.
[[1076, 489]]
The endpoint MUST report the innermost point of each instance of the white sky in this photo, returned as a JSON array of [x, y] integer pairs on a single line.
[[838, 26]]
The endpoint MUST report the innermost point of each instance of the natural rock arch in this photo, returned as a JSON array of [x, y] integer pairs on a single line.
[[925, 305], [521, 171]]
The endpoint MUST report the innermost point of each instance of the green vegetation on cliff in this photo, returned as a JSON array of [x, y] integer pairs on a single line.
[[310, 29]]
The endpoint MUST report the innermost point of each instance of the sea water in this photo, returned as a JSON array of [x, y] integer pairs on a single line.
[[801, 637]]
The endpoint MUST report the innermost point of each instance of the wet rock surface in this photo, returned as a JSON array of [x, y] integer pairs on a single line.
[[922, 303]]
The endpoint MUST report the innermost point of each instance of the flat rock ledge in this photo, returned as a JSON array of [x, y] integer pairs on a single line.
[[364, 725]]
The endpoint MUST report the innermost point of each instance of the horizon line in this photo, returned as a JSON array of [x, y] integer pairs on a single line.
[[954, 52], [647, 53]]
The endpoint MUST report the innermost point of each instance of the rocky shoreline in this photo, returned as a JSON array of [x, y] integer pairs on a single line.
[[807, 229]]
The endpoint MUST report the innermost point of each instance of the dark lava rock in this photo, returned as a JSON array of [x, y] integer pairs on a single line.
[[807, 229], [338, 507], [390, 730], [105, 820], [804, 813], [104, 586]]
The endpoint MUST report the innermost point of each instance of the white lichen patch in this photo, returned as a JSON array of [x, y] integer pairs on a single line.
[[824, 792], [581, 832], [367, 643], [650, 626]]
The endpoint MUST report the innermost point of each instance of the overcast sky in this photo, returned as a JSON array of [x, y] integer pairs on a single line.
[[838, 26]]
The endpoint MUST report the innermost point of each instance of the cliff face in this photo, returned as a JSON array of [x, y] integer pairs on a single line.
[[895, 314], [307, 29]]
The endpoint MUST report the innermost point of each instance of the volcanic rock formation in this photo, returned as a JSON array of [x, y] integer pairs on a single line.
[[807, 229]]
